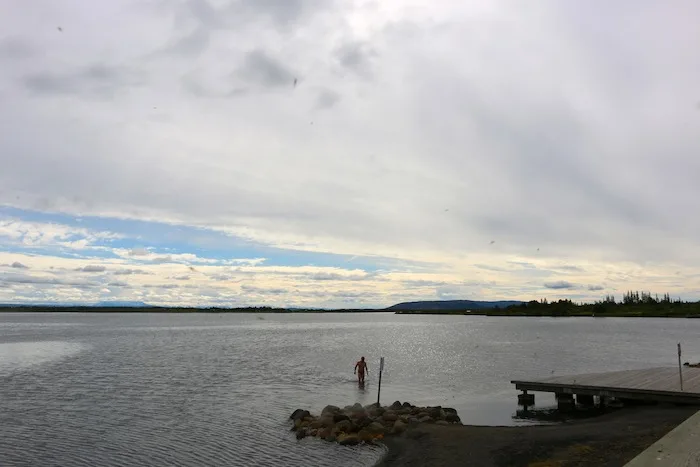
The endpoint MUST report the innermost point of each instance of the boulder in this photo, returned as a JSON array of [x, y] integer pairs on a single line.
[[390, 416], [357, 407], [365, 436], [425, 419], [449, 410], [396, 405], [344, 426], [399, 427], [327, 421], [436, 412], [406, 405], [442, 422], [376, 428], [301, 434], [324, 433], [316, 424], [330, 409], [348, 440], [339, 417], [452, 418], [299, 414]]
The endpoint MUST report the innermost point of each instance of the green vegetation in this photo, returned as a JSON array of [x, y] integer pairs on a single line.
[[633, 304]]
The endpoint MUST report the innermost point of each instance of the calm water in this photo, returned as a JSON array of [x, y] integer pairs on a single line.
[[214, 389]]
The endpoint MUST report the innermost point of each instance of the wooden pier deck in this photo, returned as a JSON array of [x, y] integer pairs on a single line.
[[653, 384]]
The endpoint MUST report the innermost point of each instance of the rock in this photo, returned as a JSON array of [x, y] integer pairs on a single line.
[[348, 440], [449, 410], [344, 426], [316, 424], [396, 405], [442, 422], [332, 409], [327, 421], [425, 419], [357, 407], [390, 416], [301, 434], [422, 414], [359, 415], [413, 421], [399, 427], [324, 433], [406, 405], [313, 432], [436, 413], [339, 417], [299, 414], [365, 436], [376, 428], [452, 418], [331, 438], [297, 424]]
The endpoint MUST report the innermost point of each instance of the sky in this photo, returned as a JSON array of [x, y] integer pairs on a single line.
[[338, 153]]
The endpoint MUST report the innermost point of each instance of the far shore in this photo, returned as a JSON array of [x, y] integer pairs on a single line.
[[608, 440], [621, 312]]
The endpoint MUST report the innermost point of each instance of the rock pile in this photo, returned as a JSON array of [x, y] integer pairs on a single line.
[[355, 424]]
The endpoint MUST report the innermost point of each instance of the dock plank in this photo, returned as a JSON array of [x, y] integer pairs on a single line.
[[660, 382]]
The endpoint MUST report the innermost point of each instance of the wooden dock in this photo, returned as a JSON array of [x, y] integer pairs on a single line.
[[653, 384]]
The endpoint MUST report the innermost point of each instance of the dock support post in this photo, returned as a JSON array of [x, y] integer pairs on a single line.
[[526, 399], [565, 401], [585, 400]]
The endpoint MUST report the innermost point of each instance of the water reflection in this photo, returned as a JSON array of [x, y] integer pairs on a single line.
[[17, 355]]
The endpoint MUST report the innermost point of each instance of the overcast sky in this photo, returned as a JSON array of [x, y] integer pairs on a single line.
[[348, 153]]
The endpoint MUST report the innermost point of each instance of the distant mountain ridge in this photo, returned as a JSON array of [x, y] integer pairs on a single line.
[[452, 305]]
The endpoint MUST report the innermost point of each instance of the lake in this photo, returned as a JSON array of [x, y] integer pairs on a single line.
[[80, 389]]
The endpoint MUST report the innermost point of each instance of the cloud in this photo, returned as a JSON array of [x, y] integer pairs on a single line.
[[18, 265], [118, 284], [97, 80], [259, 68], [182, 278], [595, 287], [446, 138], [560, 285], [16, 48], [139, 252], [327, 99], [92, 268], [263, 290], [127, 272]]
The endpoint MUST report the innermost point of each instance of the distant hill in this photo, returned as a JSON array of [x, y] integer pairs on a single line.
[[124, 304], [452, 305]]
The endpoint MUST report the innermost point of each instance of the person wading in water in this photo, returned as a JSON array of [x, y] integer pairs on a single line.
[[360, 368]]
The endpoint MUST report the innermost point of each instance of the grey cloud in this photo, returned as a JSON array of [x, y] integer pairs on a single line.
[[560, 285], [117, 284], [356, 56], [15, 48], [327, 99], [162, 259], [182, 278], [98, 80], [18, 265], [92, 268], [260, 68], [161, 286], [332, 276], [52, 281], [424, 283], [190, 45], [126, 272], [138, 252], [263, 290], [595, 287]]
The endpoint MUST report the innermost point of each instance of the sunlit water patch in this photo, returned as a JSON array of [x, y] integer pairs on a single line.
[[18, 355]]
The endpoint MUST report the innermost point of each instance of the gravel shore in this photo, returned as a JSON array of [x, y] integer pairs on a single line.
[[608, 440]]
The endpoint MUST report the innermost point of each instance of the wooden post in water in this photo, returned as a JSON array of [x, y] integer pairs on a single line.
[[680, 368], [381, 368]]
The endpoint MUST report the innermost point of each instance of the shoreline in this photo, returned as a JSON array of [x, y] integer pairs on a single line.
[[608, 440]]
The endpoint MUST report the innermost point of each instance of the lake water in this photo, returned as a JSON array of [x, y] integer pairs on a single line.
[[217, 389]]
